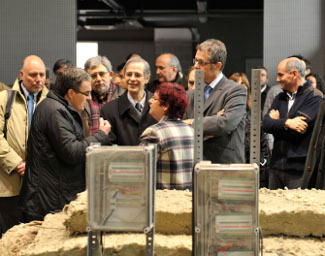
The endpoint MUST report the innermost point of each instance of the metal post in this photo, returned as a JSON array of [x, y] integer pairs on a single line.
[[94, 247], [255, 129], [198, 135], [255, 139], [198, 115]]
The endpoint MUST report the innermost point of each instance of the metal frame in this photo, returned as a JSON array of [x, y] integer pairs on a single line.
[[198, 115], [95, 246]]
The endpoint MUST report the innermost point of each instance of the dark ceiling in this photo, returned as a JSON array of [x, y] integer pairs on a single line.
[[126, 14]]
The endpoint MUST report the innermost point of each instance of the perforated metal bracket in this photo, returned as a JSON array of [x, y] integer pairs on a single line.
[[198, 133], [255, 139], [94, 247], [150, 251], [198, 115]]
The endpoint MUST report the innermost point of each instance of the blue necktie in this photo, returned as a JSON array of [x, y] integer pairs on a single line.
[[207, 90], [30, 107], [138, 107]]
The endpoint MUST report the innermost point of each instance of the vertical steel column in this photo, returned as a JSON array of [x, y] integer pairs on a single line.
[[198, 137], [255, 129], [198, 115]]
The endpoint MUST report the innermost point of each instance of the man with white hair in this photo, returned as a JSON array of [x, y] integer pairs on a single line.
[[168, 69], [291, 120]]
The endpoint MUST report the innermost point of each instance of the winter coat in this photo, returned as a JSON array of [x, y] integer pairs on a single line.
[[55, 166], [13, 149]]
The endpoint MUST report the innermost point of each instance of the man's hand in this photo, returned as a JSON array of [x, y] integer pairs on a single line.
[[274, 114], [220, 113], [298, 124], [21, 168], [104, 125], [188, 121]]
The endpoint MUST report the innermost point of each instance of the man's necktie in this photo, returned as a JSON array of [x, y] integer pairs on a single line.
[[207, 90], [30, 107], [138, 107]]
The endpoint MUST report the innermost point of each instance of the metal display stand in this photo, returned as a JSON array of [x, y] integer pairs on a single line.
[[120, 185], [251, 171]]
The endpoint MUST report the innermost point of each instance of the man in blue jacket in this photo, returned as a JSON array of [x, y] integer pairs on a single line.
[[291, 120]]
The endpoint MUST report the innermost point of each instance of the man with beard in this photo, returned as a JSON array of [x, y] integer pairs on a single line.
[[103, 91]]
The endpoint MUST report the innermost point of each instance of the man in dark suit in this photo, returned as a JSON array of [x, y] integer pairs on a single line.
[[129, 114], [224, 107], [264, 86]]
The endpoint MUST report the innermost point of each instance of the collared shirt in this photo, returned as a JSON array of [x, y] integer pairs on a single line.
[[26, 93], [216, 81], [133, 101], [96, 104], [291, 100], [264, 88]]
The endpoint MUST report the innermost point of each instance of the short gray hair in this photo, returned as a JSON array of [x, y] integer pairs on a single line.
[[174, 62], [96, 61], [70, 78], [295, 64], [146, 67], [216, 49]]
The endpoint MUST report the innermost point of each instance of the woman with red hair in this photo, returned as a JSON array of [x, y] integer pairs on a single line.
[[175, 139]]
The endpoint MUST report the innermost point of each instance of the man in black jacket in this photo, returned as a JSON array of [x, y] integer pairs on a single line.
[[291, 120], [55, 165], [129, 114]]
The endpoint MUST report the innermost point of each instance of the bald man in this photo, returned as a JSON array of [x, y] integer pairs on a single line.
[[168, 69], [29, 92], [291, 120]]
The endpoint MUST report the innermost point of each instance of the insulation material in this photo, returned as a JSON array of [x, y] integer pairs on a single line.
[[52, 238], [173, 213], [292, 212]]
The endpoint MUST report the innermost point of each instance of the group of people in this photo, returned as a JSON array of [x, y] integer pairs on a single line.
[[42, 151]]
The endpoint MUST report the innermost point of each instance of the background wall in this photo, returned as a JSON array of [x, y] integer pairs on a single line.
[[293, 27], [241, 32], [46, 28]]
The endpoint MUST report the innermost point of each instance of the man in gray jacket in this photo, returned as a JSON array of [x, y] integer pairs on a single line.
[[224, 108]]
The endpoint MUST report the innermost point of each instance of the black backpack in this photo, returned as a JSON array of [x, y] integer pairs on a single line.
[[11, 95]]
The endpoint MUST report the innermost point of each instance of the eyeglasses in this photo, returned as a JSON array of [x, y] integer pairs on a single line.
[[101, 74], [201, 62], [87, 94]]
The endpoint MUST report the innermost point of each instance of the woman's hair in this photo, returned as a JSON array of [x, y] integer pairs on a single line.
[[174, 96], [320, 82], [244, 81]]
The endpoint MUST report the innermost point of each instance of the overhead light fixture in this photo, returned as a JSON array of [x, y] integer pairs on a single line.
[[202, 10]]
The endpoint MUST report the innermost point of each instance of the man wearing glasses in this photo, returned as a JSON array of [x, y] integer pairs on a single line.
[[55, 164], [224, 108], [103, 91]]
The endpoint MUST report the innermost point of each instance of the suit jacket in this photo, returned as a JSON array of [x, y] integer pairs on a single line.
[[228, 131], [127, 123]]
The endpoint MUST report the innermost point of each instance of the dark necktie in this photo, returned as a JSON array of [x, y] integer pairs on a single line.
[[30, 107], [207, 90], [138, 107]]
